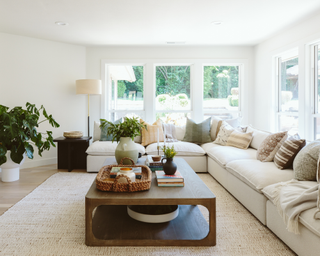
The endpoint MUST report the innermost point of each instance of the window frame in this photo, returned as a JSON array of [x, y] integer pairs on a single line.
[[292, 54], [196, 84]]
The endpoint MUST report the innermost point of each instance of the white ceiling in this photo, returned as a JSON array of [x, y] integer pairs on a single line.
[[150, 22]]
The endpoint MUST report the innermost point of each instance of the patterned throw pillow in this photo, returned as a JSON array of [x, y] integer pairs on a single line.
[[288, 151], [224, 133], [103, 135], [239, 139], [305, 163], [198, 133], [270, 146], [151, 134]]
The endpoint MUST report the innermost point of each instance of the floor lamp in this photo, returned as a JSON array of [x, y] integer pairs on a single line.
[[88, 86]]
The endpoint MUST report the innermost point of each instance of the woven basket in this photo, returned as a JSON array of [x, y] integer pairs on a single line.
[[139, 185]]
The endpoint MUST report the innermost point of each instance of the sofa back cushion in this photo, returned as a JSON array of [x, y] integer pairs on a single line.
[[288, 151], [198, 133], [269, 147], [306, 162]]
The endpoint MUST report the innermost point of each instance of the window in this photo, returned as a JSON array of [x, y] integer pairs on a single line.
[[172, 89], [173, 93], [316, 90], [125, 91], [221, 91], [288, 93]]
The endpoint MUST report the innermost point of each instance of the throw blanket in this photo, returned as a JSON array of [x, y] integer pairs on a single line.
[[292, 198], [169, 131]]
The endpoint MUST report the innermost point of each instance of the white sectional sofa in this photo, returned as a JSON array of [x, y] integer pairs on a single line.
[[249, 180]]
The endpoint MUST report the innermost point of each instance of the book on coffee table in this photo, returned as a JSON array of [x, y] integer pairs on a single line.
[[164, 180], [151, 163]]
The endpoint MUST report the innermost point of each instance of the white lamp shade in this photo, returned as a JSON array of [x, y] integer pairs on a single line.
[[88, 86]]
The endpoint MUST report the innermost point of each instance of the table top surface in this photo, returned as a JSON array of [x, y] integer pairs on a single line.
[[194, 188], [64, 139]]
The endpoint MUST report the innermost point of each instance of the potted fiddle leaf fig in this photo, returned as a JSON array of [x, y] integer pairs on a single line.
[[124, 133], [19, 136]]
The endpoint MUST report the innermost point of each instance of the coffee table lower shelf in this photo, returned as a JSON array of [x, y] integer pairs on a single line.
[[111, 225]]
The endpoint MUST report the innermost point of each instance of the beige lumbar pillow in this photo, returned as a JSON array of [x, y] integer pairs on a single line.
[[239, 139], [270, 146], [151, 134]]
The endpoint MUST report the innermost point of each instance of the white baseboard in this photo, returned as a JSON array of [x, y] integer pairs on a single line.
[[38, 162]]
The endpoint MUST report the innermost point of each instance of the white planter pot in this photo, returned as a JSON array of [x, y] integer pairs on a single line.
[[126, 148], [10, 171]]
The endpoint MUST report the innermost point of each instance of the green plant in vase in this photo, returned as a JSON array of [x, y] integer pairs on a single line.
[[169, 167], [19, 135], [124, 133]]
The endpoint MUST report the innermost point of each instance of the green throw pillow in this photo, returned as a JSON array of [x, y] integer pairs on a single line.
[[103, 136], [198, 133], [305, 163]]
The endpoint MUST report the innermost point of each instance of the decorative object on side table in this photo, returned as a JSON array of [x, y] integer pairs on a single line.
[[125, 133], [73, 135], [18, 136], [169, 167]]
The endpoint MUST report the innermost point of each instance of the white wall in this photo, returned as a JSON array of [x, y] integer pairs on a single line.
[[43, 73], [298, 36], [96, 54]]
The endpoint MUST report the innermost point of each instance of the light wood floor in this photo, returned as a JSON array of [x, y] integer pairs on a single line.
[[13, 192]]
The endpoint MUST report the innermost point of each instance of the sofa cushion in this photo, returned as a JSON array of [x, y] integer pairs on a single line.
[[183, 148], [108, 148], [239, 139], [288, 151], [269, 147], [150, 135], [306, 217], [257, 174], [225, 154], [305, 163], [258, 137], [197, 133]]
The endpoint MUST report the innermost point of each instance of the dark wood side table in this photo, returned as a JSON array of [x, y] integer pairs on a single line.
[[72, 153]]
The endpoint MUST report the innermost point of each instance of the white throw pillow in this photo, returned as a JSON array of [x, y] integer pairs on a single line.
[[96, 131], [258, 137], [224, 133], [180, 132]]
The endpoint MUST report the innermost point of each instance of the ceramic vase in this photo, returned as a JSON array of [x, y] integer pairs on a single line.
[[169, 167], [126, 148], [10, 171]]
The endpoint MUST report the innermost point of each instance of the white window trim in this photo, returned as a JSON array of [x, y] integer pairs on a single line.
[[287, 55], [196, 83]]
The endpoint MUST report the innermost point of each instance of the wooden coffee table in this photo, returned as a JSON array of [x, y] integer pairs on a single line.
[[108, 224]]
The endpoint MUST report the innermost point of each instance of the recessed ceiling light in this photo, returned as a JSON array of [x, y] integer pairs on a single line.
[[217, 22], [61, 23]]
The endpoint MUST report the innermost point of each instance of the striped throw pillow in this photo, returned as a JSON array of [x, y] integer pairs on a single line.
[[151, 134], [288, 151], [239, 139]]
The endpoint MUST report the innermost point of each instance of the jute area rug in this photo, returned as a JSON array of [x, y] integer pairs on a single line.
[[51, 221]]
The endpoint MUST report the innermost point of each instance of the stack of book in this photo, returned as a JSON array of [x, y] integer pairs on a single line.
[[164, 180], [153, 165]]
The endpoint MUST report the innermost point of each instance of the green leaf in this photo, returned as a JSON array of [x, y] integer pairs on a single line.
[[29, 150]]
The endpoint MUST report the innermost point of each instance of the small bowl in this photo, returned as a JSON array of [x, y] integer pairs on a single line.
[[73, 134], [156, 158]]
